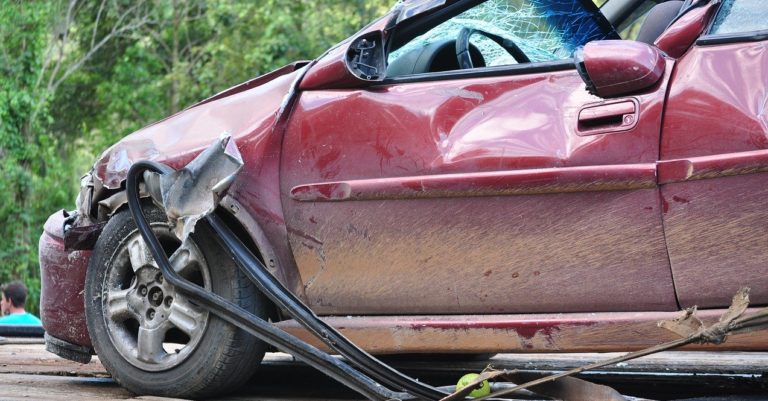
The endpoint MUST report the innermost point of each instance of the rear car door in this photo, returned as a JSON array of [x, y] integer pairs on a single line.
[[714, 169], [447, 190]]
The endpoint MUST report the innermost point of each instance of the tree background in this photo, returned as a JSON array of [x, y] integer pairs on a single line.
[[77, 75]]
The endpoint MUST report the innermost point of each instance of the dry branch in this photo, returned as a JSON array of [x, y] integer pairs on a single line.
[[688, 326]]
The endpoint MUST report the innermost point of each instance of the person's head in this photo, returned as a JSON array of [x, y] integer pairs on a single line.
[[14, 295]]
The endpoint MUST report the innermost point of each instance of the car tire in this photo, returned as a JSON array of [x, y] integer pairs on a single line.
[[153, 340]]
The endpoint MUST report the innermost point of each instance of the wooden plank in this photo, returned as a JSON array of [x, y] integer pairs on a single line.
[[21, 340], [18, 387], [43, 387], [34, 359], [27, 371]]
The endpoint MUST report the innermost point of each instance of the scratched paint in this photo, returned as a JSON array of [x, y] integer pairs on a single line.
[[716, 133], [561, 332], [62, 307], [391, 154], [717, 239], [177, 139], [247, 112], [487, 255]]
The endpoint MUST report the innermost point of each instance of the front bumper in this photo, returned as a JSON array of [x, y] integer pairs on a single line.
[[62, 278]]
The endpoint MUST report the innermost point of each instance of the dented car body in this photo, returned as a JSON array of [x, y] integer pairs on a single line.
[[549, 205]]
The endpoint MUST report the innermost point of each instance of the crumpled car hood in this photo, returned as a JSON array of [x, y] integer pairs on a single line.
[[238, 111]]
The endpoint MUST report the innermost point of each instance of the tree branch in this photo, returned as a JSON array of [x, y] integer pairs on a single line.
[[96, 24], [117, 30]]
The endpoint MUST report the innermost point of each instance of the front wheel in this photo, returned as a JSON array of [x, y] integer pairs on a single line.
[[153, 339]]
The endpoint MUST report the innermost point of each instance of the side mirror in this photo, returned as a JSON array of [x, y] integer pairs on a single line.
[[612, 68], [357, 64]]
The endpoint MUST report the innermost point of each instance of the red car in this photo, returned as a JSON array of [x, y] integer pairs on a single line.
[[458, 177]]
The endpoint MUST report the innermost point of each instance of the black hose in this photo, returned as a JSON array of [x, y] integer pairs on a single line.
[[277, 293], [238, 316]]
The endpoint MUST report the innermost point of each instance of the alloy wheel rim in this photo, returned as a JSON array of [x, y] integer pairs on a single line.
[[151, 325]]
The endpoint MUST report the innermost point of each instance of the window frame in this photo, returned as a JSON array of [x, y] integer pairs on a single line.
[[710, 39], [412, 28]]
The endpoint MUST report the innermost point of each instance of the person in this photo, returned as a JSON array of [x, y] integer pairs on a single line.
[[14, 296]]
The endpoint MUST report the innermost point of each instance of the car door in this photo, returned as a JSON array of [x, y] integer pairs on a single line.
[[715, 160], [497, 189]]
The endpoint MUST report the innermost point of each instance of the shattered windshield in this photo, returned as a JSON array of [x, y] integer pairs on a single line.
[[545, 30]]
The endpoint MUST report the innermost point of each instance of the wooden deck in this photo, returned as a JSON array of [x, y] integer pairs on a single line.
[[28, 372]]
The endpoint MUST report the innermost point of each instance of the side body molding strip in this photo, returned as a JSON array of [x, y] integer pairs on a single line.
[[497, 183], [704, 167]]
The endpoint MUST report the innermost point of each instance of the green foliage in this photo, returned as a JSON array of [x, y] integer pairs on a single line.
[[25, 172], [75, 76]]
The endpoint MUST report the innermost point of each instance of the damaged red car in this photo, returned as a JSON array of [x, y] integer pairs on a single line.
[[460, 176]]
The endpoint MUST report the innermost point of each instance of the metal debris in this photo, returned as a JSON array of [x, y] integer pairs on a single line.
[[194, 191]]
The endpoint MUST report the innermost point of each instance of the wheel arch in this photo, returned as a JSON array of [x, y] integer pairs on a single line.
[[235, 217]]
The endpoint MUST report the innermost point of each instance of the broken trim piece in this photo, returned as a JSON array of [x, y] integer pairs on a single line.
[[707, 167]]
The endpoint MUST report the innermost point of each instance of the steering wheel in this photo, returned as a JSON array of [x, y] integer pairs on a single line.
[[462, 47]]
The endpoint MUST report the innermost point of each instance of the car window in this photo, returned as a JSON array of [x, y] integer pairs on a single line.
[[544, 30], [630, 27], [737, 16]]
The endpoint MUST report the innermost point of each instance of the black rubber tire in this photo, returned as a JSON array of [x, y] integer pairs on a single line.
[[224, 358]]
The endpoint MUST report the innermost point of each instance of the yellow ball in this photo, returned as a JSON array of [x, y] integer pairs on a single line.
[[483, 390]]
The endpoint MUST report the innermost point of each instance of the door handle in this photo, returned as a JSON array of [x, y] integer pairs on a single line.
[[604, 118]]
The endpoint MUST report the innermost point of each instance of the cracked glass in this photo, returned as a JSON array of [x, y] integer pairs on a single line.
[[545, 30]]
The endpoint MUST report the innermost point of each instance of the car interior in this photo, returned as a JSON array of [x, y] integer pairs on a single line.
[[643, 20]]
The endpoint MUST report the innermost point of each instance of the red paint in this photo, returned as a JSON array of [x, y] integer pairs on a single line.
[[331, 71], [619, 67], [715, 156], [717, 105], [179, 138], [426, 169], [679, 37], [62, 280], [370, 199], [680, 199]]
